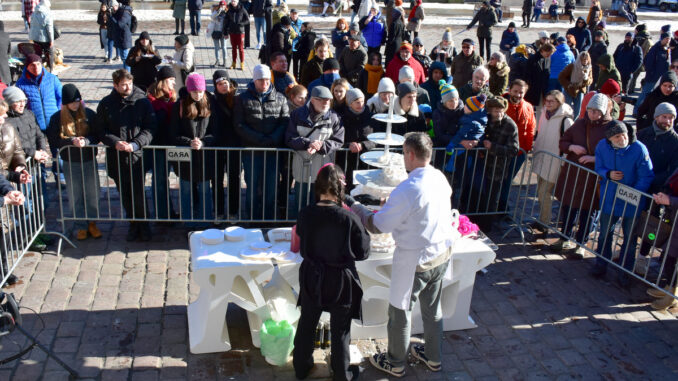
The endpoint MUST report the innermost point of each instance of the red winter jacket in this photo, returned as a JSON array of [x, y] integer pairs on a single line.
[[523, 114], [396, 63]]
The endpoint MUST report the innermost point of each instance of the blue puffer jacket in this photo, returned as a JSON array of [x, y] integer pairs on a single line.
[[374, 32], [581, 35], [44, 95], [634, 161], [561, 58], [122, 22], [432, 87], [628, 58], [472, 128], [656, 63], [509, 40]]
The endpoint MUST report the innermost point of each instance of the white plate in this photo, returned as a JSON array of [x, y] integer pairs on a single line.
[[280, 234], [260, 245], [394, 118], [212, 237], [372, 158], [235, 233], [380, 138]]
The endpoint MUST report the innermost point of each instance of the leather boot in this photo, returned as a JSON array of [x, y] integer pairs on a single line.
[[667, 301]]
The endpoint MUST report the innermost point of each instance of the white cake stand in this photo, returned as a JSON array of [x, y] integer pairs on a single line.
[[387, 139]]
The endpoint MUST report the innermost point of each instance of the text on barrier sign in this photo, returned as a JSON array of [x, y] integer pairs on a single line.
[[628, 195], [179, 154]]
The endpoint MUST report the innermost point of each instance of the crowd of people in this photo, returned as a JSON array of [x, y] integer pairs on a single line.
[[559, 95]]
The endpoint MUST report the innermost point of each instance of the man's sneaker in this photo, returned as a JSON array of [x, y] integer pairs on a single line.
[[420, 354], [380, 361], [38, 245]]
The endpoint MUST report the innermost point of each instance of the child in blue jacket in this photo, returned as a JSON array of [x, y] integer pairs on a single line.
[[472, 128], [509, 40]]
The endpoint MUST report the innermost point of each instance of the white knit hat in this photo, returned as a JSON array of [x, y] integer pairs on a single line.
[[386, 86], [261, 72], [598, 102], [405, 72]]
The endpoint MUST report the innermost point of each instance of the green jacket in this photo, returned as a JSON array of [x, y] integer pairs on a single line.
[[610, 72]]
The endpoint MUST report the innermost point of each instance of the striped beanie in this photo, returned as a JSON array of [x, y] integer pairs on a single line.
[[476, 103], [447, 91]]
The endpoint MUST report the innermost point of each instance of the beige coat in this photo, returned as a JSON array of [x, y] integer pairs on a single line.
[[548, 135]]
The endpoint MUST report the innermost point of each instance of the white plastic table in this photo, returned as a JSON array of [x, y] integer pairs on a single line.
[[224, 277]]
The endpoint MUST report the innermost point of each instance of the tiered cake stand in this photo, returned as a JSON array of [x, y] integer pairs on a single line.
[[387, 139]]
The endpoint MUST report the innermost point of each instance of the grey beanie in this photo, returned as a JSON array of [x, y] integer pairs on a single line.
[[261, 71], [405, 72], [447, 35], [13, 95], [669, 76], [598, 102], [353, 94], [386, 86], [615, 127], [662, 108]]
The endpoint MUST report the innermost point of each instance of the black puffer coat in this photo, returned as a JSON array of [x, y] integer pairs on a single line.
[[144, 70], [183, 131], [261, 120], [32, 139], [129, 119], [357, 127], [224, 131], [235, 20]]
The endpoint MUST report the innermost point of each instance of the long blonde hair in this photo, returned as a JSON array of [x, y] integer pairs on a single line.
[[72, 127]]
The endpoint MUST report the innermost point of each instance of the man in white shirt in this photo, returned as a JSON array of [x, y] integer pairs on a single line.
[[418, 214]]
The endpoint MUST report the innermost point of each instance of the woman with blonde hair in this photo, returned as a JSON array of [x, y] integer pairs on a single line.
[[73, 127], [162, 96]]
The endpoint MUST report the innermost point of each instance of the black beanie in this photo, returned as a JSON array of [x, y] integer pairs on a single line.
[[182, 39], [669, 76], [219, 74], [331, 64], [615, 127], [144, 36], [285, 21], [70, 94], [164, 72]]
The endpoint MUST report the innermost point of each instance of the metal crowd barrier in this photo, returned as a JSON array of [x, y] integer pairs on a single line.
[[22, 224], [565, 198], [214, 185]]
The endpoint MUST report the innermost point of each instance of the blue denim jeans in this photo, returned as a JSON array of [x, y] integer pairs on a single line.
[[109, 49], [82, 183], [261, 177], [428, 289], [575, 103], [260, 25], [627, 255], [201, 193], [194, 19], [219, 44], [537, 13], [108, 45], [122, 53]]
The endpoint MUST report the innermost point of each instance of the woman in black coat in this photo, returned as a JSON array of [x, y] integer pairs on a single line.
[[143, 59], [331, 239], [396, 33], [234, 24], [192, 125]]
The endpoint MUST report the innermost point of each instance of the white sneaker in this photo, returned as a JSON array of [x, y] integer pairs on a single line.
[[259, 46]]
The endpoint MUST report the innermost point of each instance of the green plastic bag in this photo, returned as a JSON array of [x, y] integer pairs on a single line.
[[277, 341]]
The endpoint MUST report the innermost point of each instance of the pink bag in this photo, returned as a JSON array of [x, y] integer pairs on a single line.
[[295, 246]]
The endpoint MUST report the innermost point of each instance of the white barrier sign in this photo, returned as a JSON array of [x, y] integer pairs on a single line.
[[628, 195], [179, 154]]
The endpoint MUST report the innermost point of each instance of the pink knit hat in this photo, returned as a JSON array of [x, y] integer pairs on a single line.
[[195, 82]]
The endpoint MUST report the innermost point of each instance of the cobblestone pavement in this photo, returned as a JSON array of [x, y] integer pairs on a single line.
[[117, 310]]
